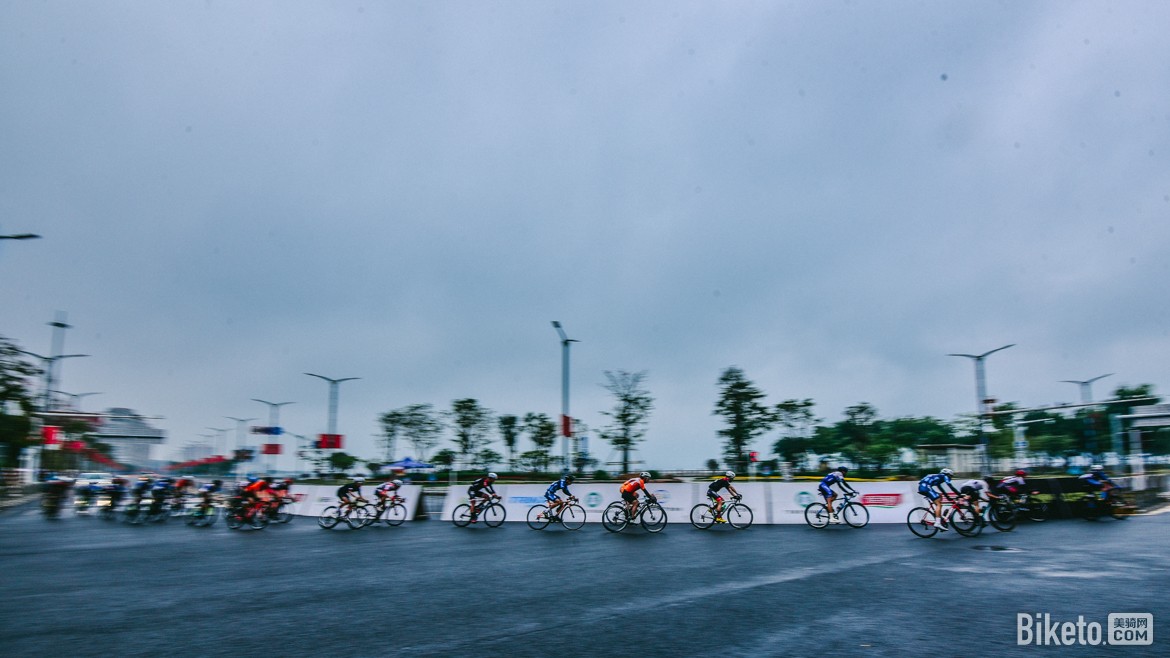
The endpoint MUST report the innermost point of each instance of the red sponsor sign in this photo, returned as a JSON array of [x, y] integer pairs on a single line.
[[271, 449], [329, 441], [50, 433], [566, 426], [881, 500]]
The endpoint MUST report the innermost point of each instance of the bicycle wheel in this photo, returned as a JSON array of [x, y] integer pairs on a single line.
[[395, 514], [855, 514], [233, 520], [702, 516], [615, 518], [494, 515], [1037, 511], [1002, 517], [259, 520], [359, 517], [573, 517], [738, 515], [209, 517], [816, 515], [1120, 506], [965, 521], [461, 516], [921, 521], [328, 518], [653, 517], [538, 517]]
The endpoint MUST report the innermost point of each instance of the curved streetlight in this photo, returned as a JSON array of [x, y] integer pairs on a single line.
[[566, 421], [981, 393], [49, 361], [333, 386], [20, 236], [76, 398], [1086, 386]]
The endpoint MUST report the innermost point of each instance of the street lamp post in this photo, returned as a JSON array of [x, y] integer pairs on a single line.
[[1087, 397], [333, 386], [20, 236], [981, 393], [273, 413], [76, 398], [49, 361], [220, 434], [240, 422], [566, 420]]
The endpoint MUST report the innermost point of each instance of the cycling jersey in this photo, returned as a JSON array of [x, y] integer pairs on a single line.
[[1011, 485], [834, 477], [479, 486], [560, 485], [256, 487], [1096, 479], [385, 489], [928, 484], [973, 488], [630, 488], [345, 490]]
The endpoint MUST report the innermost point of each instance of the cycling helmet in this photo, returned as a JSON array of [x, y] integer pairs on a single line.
[[397, 483], [252, 479], [492, 476], [1096, 467], [358, 478], [568, 479], [843, 469], [730, 475], [946, 471], [1021, 472], [217, 482], [644, 475]]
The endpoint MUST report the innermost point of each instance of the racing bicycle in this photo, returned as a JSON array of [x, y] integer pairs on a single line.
[[855, 514], [491, 511], [956, 512], [571, 516], [391, 510], [650, 515], [738, 515], [356, 515]]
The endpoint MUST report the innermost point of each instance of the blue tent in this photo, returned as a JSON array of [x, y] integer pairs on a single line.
[[408, 464]]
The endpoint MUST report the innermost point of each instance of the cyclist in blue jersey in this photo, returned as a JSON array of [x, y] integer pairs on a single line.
[[555, 502], [1097, 481], [927, 487], [836, 477]]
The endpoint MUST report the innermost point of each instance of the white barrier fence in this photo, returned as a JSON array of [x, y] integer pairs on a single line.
[[311, 500], [771, 502]]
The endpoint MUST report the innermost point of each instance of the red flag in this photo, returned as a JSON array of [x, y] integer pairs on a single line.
[[329, 441], [271, 449]]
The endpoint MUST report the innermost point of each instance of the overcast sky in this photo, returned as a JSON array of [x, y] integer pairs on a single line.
[[832, 196]]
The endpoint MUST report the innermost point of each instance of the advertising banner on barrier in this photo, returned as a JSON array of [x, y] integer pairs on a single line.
[[771, 502], [313, 499], [887, 502]]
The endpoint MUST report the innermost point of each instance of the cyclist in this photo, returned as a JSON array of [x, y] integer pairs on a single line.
[[1012, 485], [713, 490], [927, 486], [140, 489], [387, 492], [114, 491], [630, 492], [974, 490], [351, 492], [159, 493], [836, 477], [205, 494], [481, 490], [555, 502], [1097, 481]]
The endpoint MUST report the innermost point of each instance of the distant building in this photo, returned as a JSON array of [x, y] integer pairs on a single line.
[[128, 435], [196, 451]]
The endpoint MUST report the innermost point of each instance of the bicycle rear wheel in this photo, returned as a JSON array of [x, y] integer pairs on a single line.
[[538, 517], [329, 517], [738, 515], [461, 515], [702, 516], [615, 518], [1002, 517], [855, 514], [653, 517], [1120, 506], [395, 514], [259, 520], [1037, 511], [922, 522], [816, 515], [573, 517], [233, 520], [359, 517], [494, 515], [965, 521]]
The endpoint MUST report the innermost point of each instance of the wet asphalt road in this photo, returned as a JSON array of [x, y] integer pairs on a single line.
[[84, 587]]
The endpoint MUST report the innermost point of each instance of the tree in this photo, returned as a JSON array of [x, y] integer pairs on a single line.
[[712, 464], [743, 414], [16, 401], [341, 461], [630, 413], [509, 427], [796, 420], [374, 467], [473, 424], [444, 457], [418, 424], [543, 432], [485, 458]]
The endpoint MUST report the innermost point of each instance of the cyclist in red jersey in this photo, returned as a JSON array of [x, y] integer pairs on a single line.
[[630, 490]]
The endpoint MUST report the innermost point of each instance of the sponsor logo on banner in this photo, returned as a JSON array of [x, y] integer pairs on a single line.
[[593, 499], [881, 500], [804, 499], [298, 497], [663, 496], [526, 500]]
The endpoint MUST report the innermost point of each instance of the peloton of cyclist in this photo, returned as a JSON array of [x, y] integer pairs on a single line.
[[630, 490], [836, 477], [555, 502], [713, 490], [927, 487], [481, 491]]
